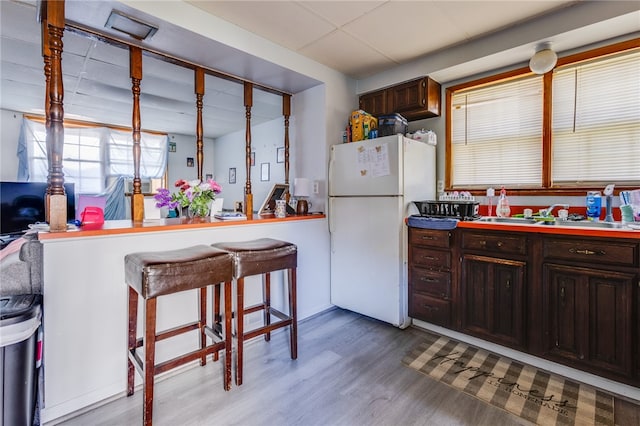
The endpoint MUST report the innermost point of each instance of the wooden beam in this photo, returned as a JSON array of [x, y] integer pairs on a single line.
[[135, 71], [199, 90], [248, 196]]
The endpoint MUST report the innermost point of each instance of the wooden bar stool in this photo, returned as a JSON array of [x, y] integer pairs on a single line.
[[154, 274], [261, 257]]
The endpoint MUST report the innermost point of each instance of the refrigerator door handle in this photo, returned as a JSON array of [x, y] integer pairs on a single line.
[[329, 216]]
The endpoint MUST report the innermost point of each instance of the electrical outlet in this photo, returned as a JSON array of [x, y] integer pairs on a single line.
[[440, 186], [316, 186]]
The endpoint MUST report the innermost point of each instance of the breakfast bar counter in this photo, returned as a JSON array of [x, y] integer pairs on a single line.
[[85, 296]]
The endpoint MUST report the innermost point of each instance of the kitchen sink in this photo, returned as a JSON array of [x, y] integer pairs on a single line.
[[513, 220], [584, 224]]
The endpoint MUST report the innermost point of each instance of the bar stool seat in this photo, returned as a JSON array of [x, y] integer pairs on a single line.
[[155, 274], [261, 257]]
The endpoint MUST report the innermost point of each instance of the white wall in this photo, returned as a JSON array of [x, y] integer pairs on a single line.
[[10, 122], [177, 161], [230, 152]]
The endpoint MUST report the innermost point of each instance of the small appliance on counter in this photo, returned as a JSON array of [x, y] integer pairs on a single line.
[[452, 209]]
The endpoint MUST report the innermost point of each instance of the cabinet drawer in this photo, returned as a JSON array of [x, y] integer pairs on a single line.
[[426, 308], [592, 251], [430, 258], [435, 283], [512, 244], [429, 237]]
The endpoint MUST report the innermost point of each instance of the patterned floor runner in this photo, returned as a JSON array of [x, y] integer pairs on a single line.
[[535, 395]]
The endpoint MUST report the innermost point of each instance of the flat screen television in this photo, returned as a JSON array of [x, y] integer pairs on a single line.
[[22, 203]]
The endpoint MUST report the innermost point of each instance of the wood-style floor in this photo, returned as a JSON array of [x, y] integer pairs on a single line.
[[349, 371]]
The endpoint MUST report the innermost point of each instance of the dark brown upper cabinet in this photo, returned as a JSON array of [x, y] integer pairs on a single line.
[[414, 100]]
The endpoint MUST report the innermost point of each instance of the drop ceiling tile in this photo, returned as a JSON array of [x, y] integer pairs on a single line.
[[285, 23], [340, 13], [341, 51], [408, 32]]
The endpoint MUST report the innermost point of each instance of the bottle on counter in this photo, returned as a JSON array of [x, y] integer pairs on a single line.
[[594, 205], [502, 208]]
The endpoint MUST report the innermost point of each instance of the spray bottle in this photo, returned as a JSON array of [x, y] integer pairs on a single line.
[[502, 208]]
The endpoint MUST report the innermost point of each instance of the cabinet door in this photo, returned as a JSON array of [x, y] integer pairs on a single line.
[[415, 99], [590, 317], [492, 299], [375, 103], [409, 96]]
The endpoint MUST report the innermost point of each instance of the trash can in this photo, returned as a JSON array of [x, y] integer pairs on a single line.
[[20, 351]]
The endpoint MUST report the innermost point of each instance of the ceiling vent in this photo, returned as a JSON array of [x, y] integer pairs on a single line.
[[129, 25]]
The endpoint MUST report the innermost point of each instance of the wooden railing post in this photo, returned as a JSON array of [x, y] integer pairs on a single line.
[[135, 71], [55, 130], [286, 111], [248, 196], [199, 89], [46, 56]]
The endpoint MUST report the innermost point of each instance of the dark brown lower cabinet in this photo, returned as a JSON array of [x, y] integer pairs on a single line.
[[493, 299], [589, 317], [571, 299]]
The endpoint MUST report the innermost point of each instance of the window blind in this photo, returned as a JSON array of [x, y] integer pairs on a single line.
[[496, 134], [596, 121]]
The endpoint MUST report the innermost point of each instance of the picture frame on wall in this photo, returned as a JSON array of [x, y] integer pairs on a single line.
[[264, 172], [172, 147], [232, 175], [280, 155], [190, 162]]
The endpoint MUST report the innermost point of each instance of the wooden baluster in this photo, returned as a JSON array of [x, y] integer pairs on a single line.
[[46, 56], [199, 89], [55, 131], [135, 71], [248, 196], [286, 111]]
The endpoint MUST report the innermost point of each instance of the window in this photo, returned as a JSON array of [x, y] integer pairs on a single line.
[[497, 133], [596, 121], [93, 156]]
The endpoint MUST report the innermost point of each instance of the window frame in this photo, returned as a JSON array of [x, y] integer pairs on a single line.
[[546, 187]]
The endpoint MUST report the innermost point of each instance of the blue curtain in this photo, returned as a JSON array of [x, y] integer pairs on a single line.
[[23, 155], [115, 207]]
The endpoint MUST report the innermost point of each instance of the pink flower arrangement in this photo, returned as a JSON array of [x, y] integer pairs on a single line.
[[195, 195]]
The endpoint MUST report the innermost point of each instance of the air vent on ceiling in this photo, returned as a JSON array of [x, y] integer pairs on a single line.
[[129, 25]]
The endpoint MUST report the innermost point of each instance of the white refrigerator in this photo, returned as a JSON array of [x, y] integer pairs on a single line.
[[372, 184]]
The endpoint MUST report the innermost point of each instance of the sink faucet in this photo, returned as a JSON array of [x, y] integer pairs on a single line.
[[547, 212]]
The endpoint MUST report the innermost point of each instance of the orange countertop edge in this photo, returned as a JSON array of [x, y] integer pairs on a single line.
[[542, 229], [119, 227], [556, 230]]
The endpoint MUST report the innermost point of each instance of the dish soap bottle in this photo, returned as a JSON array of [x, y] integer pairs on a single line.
[[502, 208]]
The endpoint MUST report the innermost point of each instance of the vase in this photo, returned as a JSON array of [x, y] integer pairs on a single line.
[[200, 212]]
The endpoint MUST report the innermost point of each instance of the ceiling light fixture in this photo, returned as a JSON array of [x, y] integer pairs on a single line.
[[129, 25], [544, 59]]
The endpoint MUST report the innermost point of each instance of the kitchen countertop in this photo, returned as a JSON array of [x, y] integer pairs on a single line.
[[115, 227], [556, 230]]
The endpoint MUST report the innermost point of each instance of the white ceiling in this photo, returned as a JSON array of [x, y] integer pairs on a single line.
[[361, 39]]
